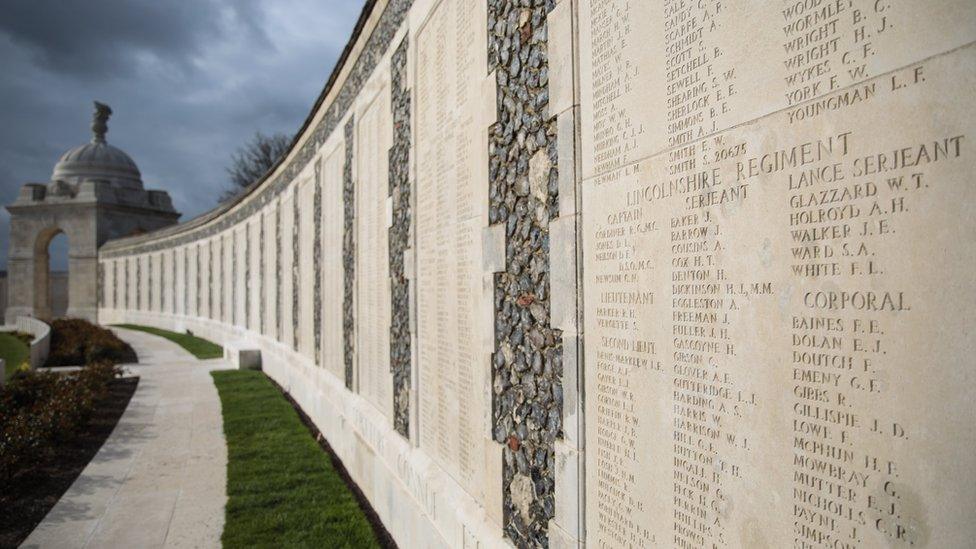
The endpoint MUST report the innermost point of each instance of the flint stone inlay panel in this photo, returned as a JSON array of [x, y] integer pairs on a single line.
[[317, 263], [766, 255], [348, 255], [296, 263], [248, 302], [280, 280], [524, 189], [256, 277], [214, 276], [100, 284], [262, 274], [399, 172], [288, 259]]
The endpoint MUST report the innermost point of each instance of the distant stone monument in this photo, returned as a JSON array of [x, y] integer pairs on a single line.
[[95, 194]]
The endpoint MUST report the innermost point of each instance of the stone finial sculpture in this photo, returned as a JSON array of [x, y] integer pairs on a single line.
[[100, 121]]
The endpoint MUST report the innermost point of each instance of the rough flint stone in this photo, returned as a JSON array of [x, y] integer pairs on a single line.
[[518, 42]]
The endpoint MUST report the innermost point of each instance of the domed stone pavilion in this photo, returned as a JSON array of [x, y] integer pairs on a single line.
[[95, 194]]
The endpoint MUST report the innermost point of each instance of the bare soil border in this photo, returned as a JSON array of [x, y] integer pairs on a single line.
[[27, 497]]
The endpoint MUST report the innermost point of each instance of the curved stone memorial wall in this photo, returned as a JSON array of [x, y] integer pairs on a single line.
[[756, 212]]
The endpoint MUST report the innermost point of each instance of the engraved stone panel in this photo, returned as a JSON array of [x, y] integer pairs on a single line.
[[217, 244], [227, 280], [332, 226], [254, 274], [181, 280], [771, 234], [130, 287], [286, 218], [269, 269], [166, 280], [142, 282], [451, 211], [306, 277], [117, 280], [206, 282], [109, 280], [240, 275], [373, 140], [156, 281]]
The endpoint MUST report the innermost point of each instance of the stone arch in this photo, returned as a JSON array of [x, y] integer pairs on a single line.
[[32, 228], [43, 302], [95, 194]]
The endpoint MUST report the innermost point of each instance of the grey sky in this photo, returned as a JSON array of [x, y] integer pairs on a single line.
[[188, 81]]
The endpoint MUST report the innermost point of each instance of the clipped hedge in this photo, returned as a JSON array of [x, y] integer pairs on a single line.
[[40, 409], [75, 342]]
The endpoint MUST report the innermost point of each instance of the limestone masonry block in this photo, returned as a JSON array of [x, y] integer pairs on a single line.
[[242, 356]]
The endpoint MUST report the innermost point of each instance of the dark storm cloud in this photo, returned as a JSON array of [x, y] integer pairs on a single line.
[[189, 81], [104, 39]]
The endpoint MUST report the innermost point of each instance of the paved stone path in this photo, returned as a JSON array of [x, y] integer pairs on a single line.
[[160, 478]]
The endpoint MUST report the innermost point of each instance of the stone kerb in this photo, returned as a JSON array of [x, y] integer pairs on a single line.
[[41, 344]]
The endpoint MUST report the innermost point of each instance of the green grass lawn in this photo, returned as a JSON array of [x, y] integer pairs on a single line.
[[282, 490], [13, 350], [200, 348]]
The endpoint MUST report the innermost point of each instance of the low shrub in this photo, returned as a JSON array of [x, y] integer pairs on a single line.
[[75, 341], [40, 409]]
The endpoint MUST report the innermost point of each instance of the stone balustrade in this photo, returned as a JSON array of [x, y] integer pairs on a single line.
[[40, 346]]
